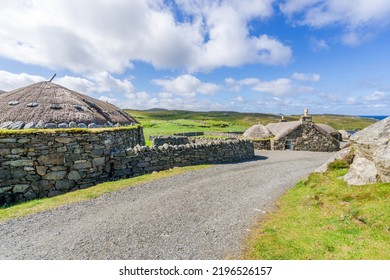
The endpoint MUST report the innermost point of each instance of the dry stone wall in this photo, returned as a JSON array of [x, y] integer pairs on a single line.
[[37, 165], [45, 164], [171, 140]]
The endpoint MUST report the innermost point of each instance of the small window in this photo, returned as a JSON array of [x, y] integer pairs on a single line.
[[77, 106], [289, 145]]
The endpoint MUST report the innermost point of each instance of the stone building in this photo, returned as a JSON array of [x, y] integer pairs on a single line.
[[302, 135], [49, 105]]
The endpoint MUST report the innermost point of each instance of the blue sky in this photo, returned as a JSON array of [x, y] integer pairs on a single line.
[[268, 56]]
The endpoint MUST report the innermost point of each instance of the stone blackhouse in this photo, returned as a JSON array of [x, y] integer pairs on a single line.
[[302, 135]]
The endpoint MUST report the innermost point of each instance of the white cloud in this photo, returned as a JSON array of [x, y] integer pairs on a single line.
[[277, 87], [306, 77], [10, 81], [94, 36], [318, 44], [186, 85], [282, 86], [376, 96], [360, 19]]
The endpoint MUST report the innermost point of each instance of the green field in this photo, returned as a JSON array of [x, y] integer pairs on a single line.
[[323, 218], [159, 122]]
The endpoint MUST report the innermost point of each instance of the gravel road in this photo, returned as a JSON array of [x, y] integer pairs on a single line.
[[203, 214]]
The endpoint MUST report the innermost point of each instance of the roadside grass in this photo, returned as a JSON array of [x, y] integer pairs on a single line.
[[44, 204], [322, 218]]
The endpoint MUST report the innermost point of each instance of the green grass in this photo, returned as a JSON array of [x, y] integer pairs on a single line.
[[159, 122], [323, 218], [40, 205]]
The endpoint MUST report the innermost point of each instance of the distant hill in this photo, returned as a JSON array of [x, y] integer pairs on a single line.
[[156, 109], [167, 121]]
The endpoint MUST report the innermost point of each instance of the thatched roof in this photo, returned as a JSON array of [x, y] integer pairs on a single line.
[[257, 131], [327, 128], [283, 128], [52, 103]]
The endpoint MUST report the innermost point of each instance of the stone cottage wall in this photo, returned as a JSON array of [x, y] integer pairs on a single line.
[[37, 165], [308, 138]]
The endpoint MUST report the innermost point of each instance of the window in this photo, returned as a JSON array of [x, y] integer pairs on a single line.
[[289, 145]]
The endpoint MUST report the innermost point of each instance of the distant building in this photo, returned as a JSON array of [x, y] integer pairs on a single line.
[[302, 135], [344, 134]]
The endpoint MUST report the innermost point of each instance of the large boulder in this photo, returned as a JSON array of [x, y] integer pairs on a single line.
[[372, 155]]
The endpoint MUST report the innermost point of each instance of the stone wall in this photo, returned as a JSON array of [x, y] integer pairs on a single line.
[[262, 144], [307, 138], [41, 164], [168, 139], [37, 165]]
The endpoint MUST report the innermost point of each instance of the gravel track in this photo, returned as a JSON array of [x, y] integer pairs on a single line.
[[203, 214]]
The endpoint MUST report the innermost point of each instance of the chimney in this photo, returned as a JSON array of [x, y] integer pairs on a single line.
[[306, 118], [283, 119]]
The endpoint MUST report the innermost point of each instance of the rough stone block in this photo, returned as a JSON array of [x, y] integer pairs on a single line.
[[99, 161], [51, 159], [57, 175], [63, 140], [20, 188], [64, 184], [74, 175], [41, 170], [82, 164], [22, 162]]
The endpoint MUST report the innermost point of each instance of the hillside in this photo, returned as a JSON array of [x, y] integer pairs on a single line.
[[157, 122]]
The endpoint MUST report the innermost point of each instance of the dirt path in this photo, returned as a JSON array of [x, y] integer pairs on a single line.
[[203, 214]]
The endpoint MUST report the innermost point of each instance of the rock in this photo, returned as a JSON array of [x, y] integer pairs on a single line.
[[82, 164], [21, 188], [16, 125], [64, 140], [57, 175], [22, 162], [82, 125], [51, 159], [92, 125], [40, 124], [50, 125], [6, 124], [29, 125], [73, 125], [361, 172], [99, 161], [74, 175], [63, 125], [372, 155], [41, 170], [64, 184]]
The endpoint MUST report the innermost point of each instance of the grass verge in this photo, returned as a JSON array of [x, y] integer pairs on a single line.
[[323, 218], [40, 205]]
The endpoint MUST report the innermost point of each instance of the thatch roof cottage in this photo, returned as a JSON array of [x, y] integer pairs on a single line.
[[49, 105], [303, 135]]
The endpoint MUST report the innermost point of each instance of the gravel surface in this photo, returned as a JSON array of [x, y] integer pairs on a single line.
[[203, 214]]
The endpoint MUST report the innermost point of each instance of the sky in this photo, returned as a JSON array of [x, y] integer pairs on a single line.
[[264, 56]]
